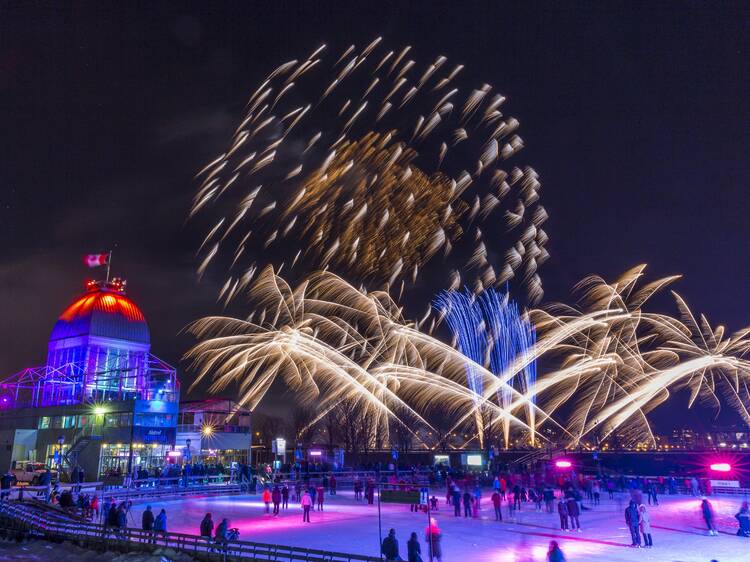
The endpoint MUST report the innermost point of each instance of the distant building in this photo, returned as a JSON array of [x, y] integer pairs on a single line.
[[214, 431], [102, 400]]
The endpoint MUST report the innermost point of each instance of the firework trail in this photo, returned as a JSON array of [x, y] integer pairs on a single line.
[[489, 329], [611, 362], [370, 164]]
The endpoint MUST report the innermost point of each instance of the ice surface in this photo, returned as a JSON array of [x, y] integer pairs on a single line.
[[346, 525]]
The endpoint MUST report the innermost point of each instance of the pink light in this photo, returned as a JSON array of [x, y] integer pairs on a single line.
[[174, 453], [316, 453], [563, 464], [721, 467]]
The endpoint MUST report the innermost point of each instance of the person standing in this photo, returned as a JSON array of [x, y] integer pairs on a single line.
[[477, 500], [207, 527], [332, 484], [285, 497], [160, 523], [456, 500], [95, 507], [549, 499], [516, 497], [413, 549], [306, 504], [644, 522], [708, 516], [320, 494], [433, 537], [276, 498], [147, 522], [389, 548], [267, 499], [562, 511], [573, 513], [632, 521], [467, 503], [497, 504]]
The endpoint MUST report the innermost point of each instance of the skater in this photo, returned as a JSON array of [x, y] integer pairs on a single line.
[[467, 503], [389, 548], [414, 551], [456, 501], [549, 499], [320, 493], [332, 484], [267, 499], [596, 491], [644, 522], [574, 512], [631, 520], [433, 503], [554, 554], [708, 516], [743, 518], [562, 511], [497, 504], [432, 537], [517, 497], [306, 503], [276, 499], [285, 497]]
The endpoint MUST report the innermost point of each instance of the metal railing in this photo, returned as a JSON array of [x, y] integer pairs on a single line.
[[22, 517]]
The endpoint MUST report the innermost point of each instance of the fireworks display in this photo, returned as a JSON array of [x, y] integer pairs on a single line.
[[351, 173], [370, 164], [614, 361]]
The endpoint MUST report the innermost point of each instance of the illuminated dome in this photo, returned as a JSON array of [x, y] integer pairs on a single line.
[[102, 312]]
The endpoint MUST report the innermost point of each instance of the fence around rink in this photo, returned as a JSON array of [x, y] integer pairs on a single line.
[[20, 518]]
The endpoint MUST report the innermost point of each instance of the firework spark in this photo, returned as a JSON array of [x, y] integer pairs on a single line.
[[371, 165]]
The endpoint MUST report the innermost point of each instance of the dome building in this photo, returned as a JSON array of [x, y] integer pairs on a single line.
[[102, 401]]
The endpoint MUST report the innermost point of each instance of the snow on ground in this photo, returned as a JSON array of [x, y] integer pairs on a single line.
[[350, 526]]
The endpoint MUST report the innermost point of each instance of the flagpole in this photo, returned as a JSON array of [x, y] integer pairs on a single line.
[[109, 261]]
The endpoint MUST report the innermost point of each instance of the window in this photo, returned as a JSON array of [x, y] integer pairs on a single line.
[[68, 422], [44, 422]]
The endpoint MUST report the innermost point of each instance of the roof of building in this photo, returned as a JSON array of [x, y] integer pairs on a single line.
[[103, 311]]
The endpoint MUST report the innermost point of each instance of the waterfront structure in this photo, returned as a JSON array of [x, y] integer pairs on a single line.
[[102, 401]]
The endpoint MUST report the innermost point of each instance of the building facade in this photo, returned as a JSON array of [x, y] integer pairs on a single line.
[[102, 401]]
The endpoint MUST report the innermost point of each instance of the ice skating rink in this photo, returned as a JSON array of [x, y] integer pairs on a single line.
[[347, 525]]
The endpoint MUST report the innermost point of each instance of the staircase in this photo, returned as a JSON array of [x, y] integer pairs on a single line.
[[80, 442]]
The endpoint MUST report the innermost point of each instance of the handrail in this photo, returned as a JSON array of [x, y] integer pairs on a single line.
[[192, 544]]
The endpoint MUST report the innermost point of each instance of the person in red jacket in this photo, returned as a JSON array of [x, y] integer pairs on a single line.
[[497, 503], [267, 499]]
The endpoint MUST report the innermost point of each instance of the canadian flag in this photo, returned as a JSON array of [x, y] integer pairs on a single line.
[[95, 260]]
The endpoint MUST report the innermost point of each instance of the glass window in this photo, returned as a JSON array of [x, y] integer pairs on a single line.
[[56, 422], [68, 422], [44, 422]]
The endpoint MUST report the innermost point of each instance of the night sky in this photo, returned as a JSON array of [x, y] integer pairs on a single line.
[[635, 115]]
